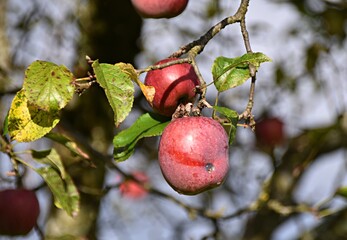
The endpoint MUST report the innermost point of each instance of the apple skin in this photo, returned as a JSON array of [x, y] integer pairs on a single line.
[[131, 189], [19, 210], [269, 132], [159, 8], [173, 85], [193, 154]]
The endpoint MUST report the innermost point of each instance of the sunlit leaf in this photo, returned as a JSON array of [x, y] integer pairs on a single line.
[[28, 123], [116, 80], [148, 92], [48, 86], [148, 125], [232, 72]]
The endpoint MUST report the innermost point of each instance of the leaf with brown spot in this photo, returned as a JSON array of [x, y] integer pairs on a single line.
[[48, 86], [116, 80]]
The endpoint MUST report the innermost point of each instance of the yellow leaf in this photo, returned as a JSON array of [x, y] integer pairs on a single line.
[[28, 123], [128, 69], [148, 92]]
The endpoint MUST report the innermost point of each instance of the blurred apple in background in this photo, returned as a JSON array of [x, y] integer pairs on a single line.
[[159, 8], [19, 210], [132, 189], [269, 132]]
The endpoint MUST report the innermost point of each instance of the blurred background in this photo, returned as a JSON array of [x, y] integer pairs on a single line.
[[305, 87]]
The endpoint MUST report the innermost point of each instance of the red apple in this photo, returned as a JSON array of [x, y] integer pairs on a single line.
[[173, 85], [269, 132], [159, 8], [193, 154], [19, 210], [131, 189]]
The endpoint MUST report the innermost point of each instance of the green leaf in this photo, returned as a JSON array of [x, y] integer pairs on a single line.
[[26, 122], [148, 125], [233, 117], [116, 80], [68, 143], [48, 86], [232, 72], [342, 191], [64, 191], [49, 157]]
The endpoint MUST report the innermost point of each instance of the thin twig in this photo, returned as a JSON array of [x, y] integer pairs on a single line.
[[247, 114], [163, 65], [200, 43], [245, 35]]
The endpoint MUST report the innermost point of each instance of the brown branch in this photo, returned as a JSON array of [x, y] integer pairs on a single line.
[[245, 35], [247, 114], [164, 65], [200, 43]]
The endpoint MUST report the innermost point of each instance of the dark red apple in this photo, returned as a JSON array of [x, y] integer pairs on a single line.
[[131, 189], [159, 8], [193, 154], [173, 85], [269, 132], [19, 210]]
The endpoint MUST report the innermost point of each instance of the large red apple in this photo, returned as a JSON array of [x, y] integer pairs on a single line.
[[173, 85], [159, 8], [19, 210], [132, 189], [269, 132], [193, 154]]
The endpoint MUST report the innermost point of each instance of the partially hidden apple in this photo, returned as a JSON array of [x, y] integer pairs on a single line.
[[173, 85], [193, 154], [19, 210], [159, 8], [269, 132], [132, 189]]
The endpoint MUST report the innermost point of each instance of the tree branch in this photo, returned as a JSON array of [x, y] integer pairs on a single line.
[[200, 43]]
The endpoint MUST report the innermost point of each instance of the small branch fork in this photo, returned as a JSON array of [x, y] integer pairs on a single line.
[[82, 84], [199, 45], [247, 114]]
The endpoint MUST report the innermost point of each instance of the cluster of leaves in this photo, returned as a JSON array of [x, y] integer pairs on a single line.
[[48, 88]]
